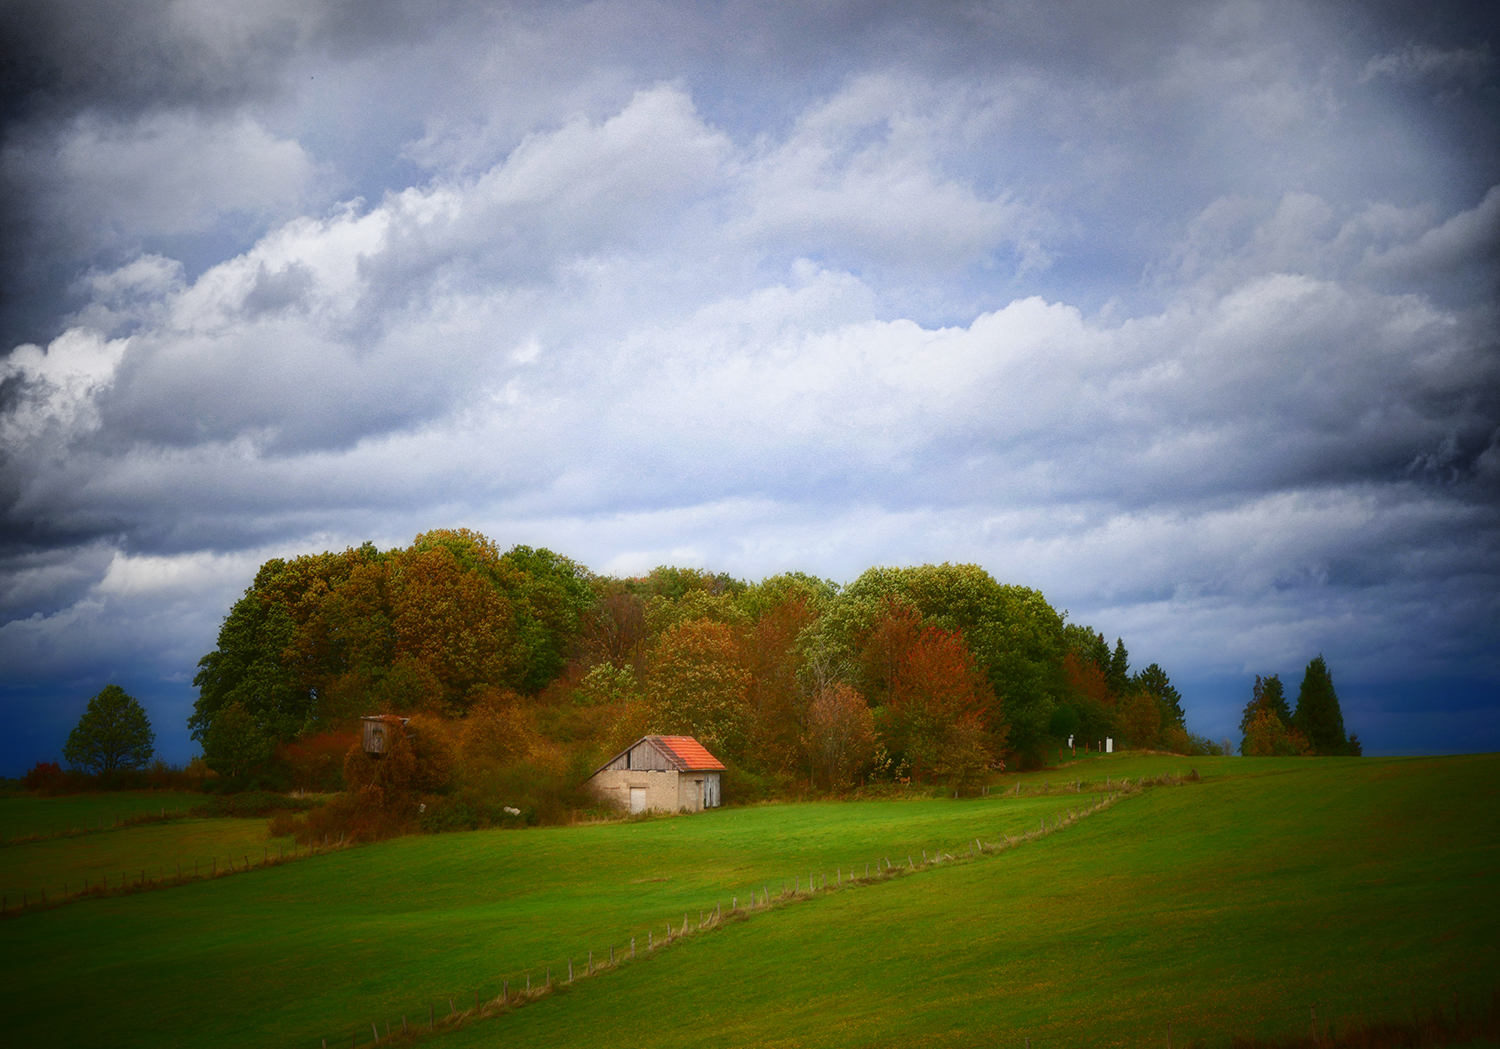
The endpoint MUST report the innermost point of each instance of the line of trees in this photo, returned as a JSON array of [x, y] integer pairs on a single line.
[[1270, 727], [535, 669]]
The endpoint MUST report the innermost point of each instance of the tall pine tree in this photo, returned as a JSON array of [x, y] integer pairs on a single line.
[[1117, 674], [1318, 715], [1155, 681]]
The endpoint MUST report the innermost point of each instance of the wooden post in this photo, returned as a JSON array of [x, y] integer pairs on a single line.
[[375, 1031], [451, 1010], [431, 1016], [632, 946], [611, 956], [591, 963], [570, 970], [505, 992]]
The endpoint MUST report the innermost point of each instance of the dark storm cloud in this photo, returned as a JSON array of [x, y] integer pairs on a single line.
[[1184, 314]]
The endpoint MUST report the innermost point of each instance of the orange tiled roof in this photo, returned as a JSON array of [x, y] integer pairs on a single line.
[[690, 752]]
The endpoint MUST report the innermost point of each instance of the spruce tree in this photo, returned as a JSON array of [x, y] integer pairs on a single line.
[[1273, 699], [1117, 674], [1155, 681], [1318, 715]]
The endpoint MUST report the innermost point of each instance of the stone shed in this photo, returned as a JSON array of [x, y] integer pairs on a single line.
[[665, 773]]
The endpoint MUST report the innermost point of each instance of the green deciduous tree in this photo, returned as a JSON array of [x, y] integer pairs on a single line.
[[234, 744], [113, 734], [697, 685], [1318, 716]]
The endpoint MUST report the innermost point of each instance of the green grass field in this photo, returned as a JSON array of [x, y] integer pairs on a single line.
[[22, 815], [158, 851], [1223, 907]]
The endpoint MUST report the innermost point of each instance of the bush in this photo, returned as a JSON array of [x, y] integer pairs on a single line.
[[316, 763], [44, 777], [1266, 736]]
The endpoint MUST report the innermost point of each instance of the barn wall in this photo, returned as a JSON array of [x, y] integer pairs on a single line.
[[642, 756], [612, 786]]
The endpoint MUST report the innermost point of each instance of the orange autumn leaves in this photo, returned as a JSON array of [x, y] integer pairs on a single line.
[[757, 693]]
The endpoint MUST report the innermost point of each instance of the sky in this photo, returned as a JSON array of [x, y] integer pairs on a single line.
[[1182, 313]]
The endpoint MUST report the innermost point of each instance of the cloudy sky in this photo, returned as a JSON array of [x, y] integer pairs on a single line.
[[1183, 313]]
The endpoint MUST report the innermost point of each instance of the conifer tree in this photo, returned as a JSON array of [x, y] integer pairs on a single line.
[[1318, 715], [1273, 698], [1155, 681], [1118, 671]]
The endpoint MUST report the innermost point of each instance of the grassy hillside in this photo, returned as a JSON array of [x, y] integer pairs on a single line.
[[1225, 906], [158, 851], [312, 949], [22, 815], [1234, 906]]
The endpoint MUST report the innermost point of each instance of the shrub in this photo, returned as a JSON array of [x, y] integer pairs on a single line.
[[44, 777], [1267, 736]]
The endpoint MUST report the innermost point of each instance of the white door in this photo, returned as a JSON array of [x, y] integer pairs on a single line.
[[637, 800]]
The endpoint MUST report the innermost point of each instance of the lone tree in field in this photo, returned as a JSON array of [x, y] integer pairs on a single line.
[[114, 733], [1318, 716]]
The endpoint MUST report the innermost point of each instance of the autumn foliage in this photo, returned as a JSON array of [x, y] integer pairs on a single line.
[[522, 672]]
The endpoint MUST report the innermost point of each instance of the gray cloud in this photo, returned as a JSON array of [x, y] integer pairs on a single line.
[[1119, 306]]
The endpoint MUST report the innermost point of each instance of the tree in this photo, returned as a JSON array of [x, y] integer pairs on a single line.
[[1155, 681], [840, 734], [1266, 696], [1318, 716], [113, 734], [234, 744], [936, 685], [1266, 735], [1016, 638], [1118, 671], [1140, 718], [697, 685]]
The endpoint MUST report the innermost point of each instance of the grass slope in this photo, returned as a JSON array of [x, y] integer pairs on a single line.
[[318, 948], [22, 815], [1227, 906], [1358, 887], [158, 849]]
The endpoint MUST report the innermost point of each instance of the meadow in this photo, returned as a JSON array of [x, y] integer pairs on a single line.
[[1227, 906], [23, 816]]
